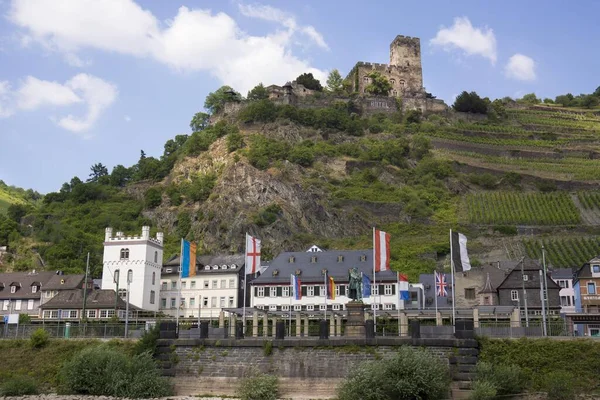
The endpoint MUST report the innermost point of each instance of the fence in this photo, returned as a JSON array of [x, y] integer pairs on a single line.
[[502, 329], [74, 330]]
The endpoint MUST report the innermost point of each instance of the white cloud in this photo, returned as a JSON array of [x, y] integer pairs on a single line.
[[83, 89], [127, 118], [194, 40], [520, 67], [472, 41]]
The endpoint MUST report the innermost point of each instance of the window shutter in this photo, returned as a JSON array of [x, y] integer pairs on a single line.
[[342, 290], [317, 290], [303, 290], [256, 291], [279, 291], [381, 289], [393, 289]]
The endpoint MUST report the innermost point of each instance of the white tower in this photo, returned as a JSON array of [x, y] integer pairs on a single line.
[[139, 256]]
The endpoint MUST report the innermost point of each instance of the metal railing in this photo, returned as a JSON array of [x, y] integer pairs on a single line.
[[74, 330]]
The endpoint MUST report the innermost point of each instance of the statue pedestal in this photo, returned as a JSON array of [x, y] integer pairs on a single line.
[[355, 325]]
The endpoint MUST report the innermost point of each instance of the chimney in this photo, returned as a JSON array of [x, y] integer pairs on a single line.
[[107, 234], [145, 232], [160, 237]]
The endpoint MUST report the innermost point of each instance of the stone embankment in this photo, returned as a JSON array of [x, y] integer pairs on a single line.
[[83, 397]]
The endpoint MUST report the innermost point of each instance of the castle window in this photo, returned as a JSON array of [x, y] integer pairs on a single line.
[[154, 278], [155, 257], [366, 79], [394, 92], [124, 254], [393, 81], [402, 84]]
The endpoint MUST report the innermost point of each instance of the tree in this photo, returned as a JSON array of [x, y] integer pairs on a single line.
[[216, 100], [17, 211], [308, 81], [199, 121], [98, 171], [597, 92], [379, 85], [470, 102], [589, 101], [173, 145], [120, 175], [565, 100], [259, 92], [335, 82], [529, 98]]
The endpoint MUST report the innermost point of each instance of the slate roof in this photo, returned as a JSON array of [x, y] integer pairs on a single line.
[[73, 299], [585, 271], [562, 273], [210, 260], [311, 272], [24, 281], [428, 281], [530, 267], [64, 282]]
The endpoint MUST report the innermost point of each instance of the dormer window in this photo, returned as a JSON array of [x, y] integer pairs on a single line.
[[596, 269], [313, 259], [206, 267], [340, 259], [13, 289], [124, 254], [292, 259], [363, 258], [34, 289]]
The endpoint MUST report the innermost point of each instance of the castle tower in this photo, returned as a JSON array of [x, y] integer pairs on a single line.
[[143, 256], [405, 53]]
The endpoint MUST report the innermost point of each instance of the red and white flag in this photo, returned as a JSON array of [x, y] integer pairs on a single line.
[[252, 255], [381, 244]]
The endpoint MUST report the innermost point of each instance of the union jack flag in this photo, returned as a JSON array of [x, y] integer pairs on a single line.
[[440, 284]]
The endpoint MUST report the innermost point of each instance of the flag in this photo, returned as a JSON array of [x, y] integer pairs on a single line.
[[188, 259], [403, 287], [330, 287], [440, 284], [381, 244], [366, 286], [252, 255], [460, 257], [296, 288]]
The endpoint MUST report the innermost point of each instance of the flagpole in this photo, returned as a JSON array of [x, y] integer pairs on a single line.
[[453, 291], [398, 297], [435, 292], [178, 303], [326, 296], [374, 285], [244, 283], [290, 313]]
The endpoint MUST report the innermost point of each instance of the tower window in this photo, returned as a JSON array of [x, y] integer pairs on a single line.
[[124, 254], [402, 84], [155, 257], [154, 278], [393, 81]]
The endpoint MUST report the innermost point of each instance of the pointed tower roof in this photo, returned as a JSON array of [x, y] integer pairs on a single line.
[[487, 288]]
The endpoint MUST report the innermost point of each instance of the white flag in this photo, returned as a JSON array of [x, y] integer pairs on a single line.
[[252, 255]]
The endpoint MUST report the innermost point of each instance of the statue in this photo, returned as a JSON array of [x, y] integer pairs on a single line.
[[355, 284]]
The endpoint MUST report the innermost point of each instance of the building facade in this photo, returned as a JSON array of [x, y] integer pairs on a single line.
[[564, 279], [21, 292], [272, 291], [99, 305], [218, 284], [140, 258]]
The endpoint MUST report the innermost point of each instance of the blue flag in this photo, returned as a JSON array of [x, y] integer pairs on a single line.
[[366, 286]]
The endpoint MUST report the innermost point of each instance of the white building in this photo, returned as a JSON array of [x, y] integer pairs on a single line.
[[564, 279], [137, 256], [271, 291], [218, 284]]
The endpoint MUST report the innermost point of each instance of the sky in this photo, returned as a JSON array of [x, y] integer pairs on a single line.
[[88, 81]]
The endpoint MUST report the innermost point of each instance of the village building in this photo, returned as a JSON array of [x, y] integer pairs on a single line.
[[564, 278], [21, 292], [99, 305], [137, 259], [587, 299]]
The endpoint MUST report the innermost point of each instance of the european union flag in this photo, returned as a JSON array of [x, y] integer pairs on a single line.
[[366, 286]]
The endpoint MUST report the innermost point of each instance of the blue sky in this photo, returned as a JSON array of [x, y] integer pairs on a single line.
[[89, 81]]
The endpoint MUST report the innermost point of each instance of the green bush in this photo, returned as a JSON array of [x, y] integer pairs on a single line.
[[258, 386], [39, 338], [483, 390], [412, 373], [506, 229], [148, 342], [20, 385], [506, 378], [485, 180], [559, 385], [235, 141], [152, 198], [105, 371]]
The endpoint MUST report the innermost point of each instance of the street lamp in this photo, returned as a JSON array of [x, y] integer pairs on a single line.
[[129, 278]]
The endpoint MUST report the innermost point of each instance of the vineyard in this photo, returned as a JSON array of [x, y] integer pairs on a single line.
[[545, 119], [564, 253], [589, 200], [505, 208]]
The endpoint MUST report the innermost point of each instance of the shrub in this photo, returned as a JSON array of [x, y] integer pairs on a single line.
[[470, 102], [483, 390], [559, 385], [546, 186], [506, 378], [413, 117], [410, 374], [39, 338], [258, 386], [485, 180], [267, 348], [235, 141], [152, 197], [302, 155], [20, 385], [506, 229], [148, 342], [105, 371]]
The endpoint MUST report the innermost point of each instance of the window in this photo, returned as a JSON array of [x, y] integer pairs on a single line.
[[337, 290], [272, 291], [207, 267], [213, 302], [34, 289], [285, 291], [365, 79], [525, 277], [514, 295], [154, 278], [223, 284], [163, 286], [310, 307], [183, 284], [363, 258], [91, 313], [562, 283], [596, 269], [156, 257], [163, 303], [173, 284], [231, 301], [222, 302], [297, 307], [13, 289], [487, 301], [103, 313], [335, 307], [470, 293], [340, 259], [18, 305], [374, 306], [402, 84], [193, 285], [272, 307], [192, 302], [122, 293], [310, 291], [387, 290], [232, 284], [205, 302], [260, 291], [292, 259], [393, 81], [173, 302], [69, 314], [322, 307], [152, 296], [124, 254], [52, 314], [388, 306], [322, 291], [313, 259], [215, 284], [110, 313], [30, 304], [285, 308], [5, 305], [205, 284], [591, 287], [182, 303], [375, 290]]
